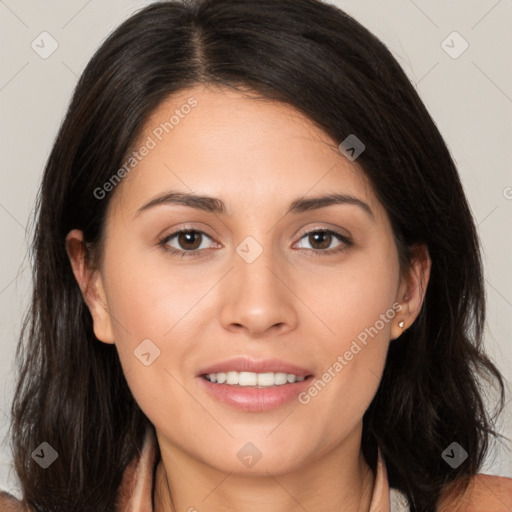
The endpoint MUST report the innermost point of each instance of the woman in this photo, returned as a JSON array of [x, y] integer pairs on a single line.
[[194, 343]]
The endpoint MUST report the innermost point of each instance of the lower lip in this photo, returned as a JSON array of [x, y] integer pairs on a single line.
[[251, 399]]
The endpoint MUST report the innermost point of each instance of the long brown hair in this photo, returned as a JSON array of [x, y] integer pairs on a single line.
[[71, 391]]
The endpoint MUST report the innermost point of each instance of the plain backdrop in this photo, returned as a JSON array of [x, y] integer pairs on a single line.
[[464, 78]]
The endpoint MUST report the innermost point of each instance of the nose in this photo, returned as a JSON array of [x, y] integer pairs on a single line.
[[257, 297]]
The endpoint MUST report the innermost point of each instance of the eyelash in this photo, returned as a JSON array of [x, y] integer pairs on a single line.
[[194, 253]]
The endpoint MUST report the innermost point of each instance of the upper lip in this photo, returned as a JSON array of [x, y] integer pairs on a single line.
[[244, 364]]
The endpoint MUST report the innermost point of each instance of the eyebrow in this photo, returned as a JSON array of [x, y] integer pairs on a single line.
[[215, 205]]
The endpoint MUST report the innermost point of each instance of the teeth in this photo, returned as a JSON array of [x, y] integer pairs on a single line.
[[267, 379], [247, 379], [261, 380], [232, 378]]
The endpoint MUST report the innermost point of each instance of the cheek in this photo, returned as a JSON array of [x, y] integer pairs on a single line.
[[151, 298], [156, 343], [156, 320], [361, 308], [358, 306], [356, 298]]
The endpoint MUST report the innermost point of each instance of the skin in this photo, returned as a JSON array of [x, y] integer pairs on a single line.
[[293, 303]]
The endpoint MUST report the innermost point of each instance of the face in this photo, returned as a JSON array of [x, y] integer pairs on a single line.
[[266, 284]]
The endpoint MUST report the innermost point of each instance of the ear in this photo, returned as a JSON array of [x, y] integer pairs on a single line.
[[412, 289], [91, 284]]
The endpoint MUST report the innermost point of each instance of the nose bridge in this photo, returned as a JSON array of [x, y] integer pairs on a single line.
[[257, 298], [255, 265]]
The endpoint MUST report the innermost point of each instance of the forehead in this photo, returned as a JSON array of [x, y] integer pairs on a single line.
[[240, 147]]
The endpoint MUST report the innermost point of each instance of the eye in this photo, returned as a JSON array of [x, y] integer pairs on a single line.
[[189, 241], [321, 240]]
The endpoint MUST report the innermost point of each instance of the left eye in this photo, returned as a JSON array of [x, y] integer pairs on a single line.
[[323, 238]]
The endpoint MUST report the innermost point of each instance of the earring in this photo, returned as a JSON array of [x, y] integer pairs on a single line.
[[401, 324]]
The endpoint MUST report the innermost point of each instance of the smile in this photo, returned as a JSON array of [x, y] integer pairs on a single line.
[[259, 380]]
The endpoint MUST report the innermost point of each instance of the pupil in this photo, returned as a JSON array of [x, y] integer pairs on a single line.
[[321, 234], [185, 238]]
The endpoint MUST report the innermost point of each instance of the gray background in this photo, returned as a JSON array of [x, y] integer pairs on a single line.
[[468, 93]]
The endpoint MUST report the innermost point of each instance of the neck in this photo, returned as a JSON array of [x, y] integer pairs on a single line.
[[341, 480]]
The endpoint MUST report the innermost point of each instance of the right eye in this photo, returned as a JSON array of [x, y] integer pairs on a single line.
[[190, 241]]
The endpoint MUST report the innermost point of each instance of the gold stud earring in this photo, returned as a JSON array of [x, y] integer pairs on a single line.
[[401, 324]]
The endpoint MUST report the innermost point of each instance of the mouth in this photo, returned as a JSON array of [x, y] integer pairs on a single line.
[[252, 379], [254, 386]]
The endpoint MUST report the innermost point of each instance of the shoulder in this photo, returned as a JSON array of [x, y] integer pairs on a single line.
[[485, 492], [8, 503]]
